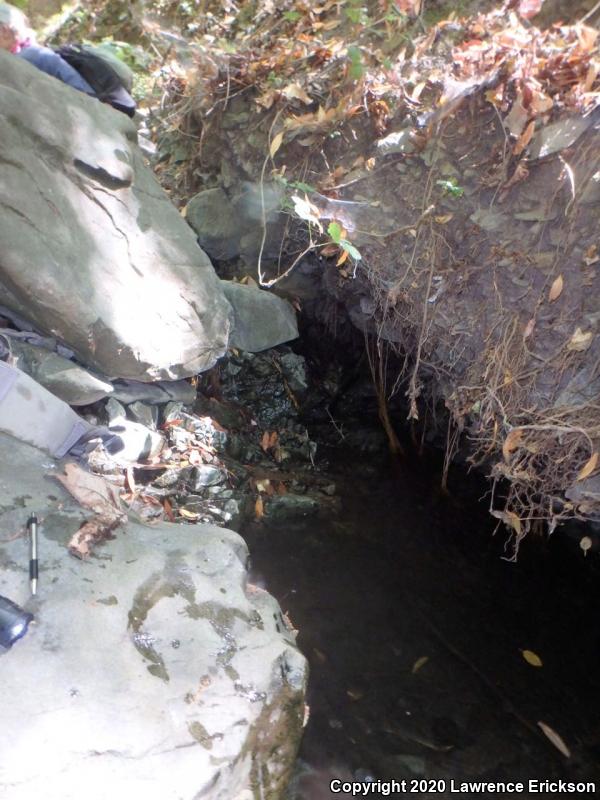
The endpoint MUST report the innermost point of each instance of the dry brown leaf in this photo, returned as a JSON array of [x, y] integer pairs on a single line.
[[265, 441], [168, 509], [511, 443], [556, 289], [411, 7], [580, 340], [589, 467], [556, 740], [524, 139], [276, 143], [293, 91], [91, 491], [92, 532]]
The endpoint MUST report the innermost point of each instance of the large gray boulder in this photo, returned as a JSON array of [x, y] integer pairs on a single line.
[[154, 669], [93, 251], [261, 320]]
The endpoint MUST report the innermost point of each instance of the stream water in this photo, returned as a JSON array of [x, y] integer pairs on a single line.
[[415, 629]]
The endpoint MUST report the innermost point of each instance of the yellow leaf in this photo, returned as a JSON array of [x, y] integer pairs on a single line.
[[276, 143], [532, 658], [556, 289], [183, 512], [556, 740], [586, 544], [511, 443], [588, 468], [420, 662], [259, 509], [444, 218], [580, 340], [342, 259]]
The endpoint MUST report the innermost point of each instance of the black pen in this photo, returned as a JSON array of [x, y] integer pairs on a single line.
[[32, 524]]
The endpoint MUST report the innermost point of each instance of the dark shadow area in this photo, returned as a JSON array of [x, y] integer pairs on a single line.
[[415, 630]]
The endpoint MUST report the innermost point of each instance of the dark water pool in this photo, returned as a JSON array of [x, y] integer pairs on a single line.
[[415, 630]]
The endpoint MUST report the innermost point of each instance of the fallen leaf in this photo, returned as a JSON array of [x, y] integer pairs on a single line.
[[532, 658], [420, 662], [168, 509], [191, 515], [529, 8], [355, 694], [524, 139], [307, 210], [91, 491], [259, 509], [276, 143], [92, 532], [586, 544], [556, 289], [511, 443], [294, 91], [580, 340], [263, 485], [510, 519], [591, 255], [529, 328], [588, 468], [556, 740], [444, 218], [342, 259]]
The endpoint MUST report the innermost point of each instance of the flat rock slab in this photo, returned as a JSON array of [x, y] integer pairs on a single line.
[[153, 669], [93, 251]]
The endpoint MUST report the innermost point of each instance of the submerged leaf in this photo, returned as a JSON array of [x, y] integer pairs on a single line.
[[556, 289], [532, 658], [580, 340], [588, 468], [556, 740], [419, 663]]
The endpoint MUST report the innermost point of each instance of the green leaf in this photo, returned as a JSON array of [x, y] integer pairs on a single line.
[[356, 70], [292, 16], [451, 187], [304, 187], [358, 15], [350, 249], [334, 229]]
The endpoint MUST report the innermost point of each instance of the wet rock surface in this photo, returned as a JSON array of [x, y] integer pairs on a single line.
[[154, 667]]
